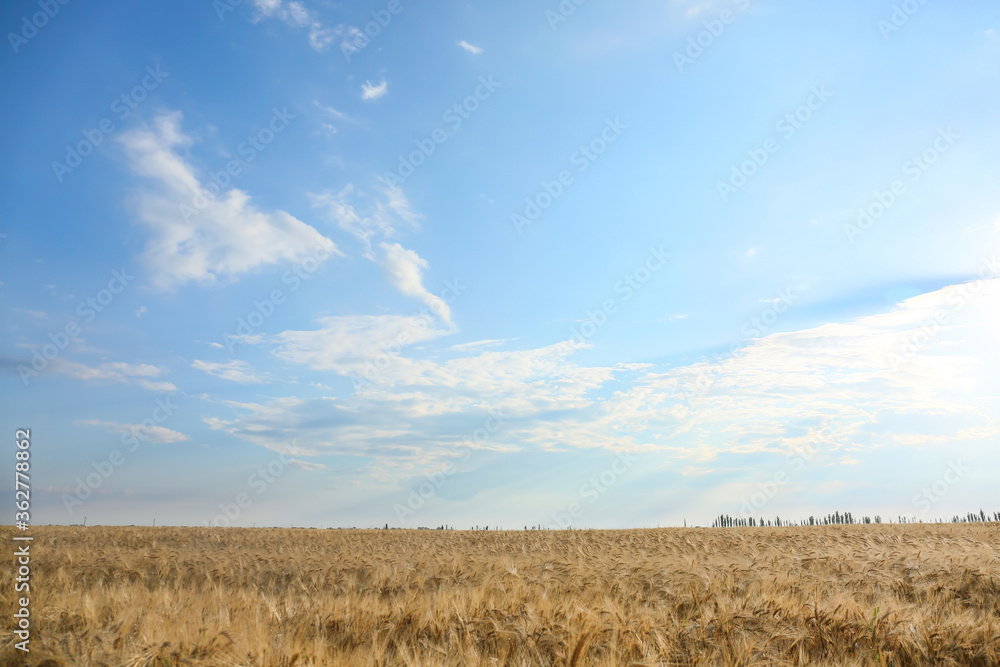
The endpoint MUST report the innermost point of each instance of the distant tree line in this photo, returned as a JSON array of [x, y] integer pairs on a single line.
[[477, 527], [837, 518]]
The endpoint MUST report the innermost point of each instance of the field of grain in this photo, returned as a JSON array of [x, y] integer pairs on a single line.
[[830, 595]]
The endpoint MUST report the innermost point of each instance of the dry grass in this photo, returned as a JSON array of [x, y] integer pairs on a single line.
[[200, 596]]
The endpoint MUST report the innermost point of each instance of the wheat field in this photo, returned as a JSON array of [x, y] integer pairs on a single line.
[[830, 595]]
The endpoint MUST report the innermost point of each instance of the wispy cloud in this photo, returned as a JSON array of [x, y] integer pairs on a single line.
[[373, 91], [475, 50], [295, 15], [35, 314], [337, 116], [234, 371], [368, 217], [333, 113], [416, 410], [405, 270], [476, 344], [150, 433], [344, 344], [228, 237], [137, 374], [771, 397]]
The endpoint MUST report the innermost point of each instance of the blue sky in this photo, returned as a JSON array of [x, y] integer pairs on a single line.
[[318, 264]]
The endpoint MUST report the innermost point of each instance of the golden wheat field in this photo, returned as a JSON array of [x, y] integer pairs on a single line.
[[831, 595]]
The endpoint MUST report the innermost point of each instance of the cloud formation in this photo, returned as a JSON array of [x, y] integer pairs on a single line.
[[234, 371], [373, 91], [775, 395], [474, 50], [368, 217], [137, 374], [226, 238], [346, 344], [405, 269], [295, 15], [149, 433]]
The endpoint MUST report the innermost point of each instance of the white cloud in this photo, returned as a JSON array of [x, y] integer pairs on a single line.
[[228, 237], [320, 37], [695, 8], [413, 412], [141, 311], [114, 372], [373, 91], [397, 202], [346, 344], [472, 345], [865, 375], [777, 394], [338, 116], [149, 433], [133, 370], [405, 269], [474, 50], [366, 218], [295, 15], [267, 7], [307, 465], [234, 371], [353, 39]]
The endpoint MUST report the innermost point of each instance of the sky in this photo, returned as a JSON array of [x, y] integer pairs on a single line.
[[559, 264]]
